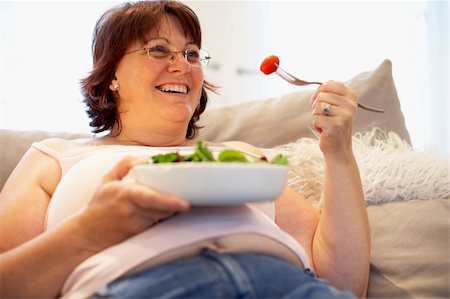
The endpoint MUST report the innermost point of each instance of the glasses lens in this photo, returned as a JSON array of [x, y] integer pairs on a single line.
[[192, 56], [204, 57], [158, 52], [197, 58]]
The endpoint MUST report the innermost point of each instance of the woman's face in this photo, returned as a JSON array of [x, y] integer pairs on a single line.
[[159, 94]]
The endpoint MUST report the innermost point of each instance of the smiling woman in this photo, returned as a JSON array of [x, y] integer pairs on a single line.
[[145, 92], [119, 92]]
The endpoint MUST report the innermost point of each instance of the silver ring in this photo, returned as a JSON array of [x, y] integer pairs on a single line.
[[326, 110]]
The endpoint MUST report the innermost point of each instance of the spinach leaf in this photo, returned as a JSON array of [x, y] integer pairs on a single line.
[[201, 154], [280, 160], [167, 158]]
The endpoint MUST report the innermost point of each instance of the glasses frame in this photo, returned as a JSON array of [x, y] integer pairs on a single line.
[[203, 62]]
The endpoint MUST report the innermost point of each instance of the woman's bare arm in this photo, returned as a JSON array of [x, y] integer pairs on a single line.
[[341, 246], [38, 268], [32, 263], [25, 198], [296, 216], [336, 240], [339, 239]]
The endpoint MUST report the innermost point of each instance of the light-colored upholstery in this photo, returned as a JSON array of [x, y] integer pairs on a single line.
[[410, 240], [410, 249]]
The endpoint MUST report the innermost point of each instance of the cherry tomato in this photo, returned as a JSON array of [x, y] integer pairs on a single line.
[[268, 65]]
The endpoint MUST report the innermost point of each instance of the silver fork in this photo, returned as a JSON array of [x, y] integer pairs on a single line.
[[296, 81]]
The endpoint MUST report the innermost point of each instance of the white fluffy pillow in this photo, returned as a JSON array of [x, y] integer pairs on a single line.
[[390, 169]]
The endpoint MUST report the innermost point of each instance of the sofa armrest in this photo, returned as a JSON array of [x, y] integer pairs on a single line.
[[15, 143]]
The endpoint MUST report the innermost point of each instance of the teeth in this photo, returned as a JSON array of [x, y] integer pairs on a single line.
[[173, 88]]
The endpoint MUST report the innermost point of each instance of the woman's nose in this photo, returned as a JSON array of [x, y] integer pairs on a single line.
[[179, 62]]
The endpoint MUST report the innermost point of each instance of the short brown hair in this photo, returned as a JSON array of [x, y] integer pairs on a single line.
[[114, 32]]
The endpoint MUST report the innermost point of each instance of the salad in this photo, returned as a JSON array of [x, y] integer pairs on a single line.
[[203, 154]]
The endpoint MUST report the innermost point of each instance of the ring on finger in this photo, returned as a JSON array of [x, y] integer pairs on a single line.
[[327, 110]]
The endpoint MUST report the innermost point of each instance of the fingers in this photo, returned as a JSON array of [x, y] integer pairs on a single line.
[[334, 87], [333, 99], [129, 208], [328, 107], [121, 169], [333, 108], [149, 199], [120, 209], [142, 196], [150, 206], [335, 94], [139, 200]]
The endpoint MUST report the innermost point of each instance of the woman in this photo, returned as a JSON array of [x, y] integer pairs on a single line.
[[72, 227]]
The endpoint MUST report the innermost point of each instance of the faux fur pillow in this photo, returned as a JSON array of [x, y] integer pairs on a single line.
[[277, 121], [390, 169]]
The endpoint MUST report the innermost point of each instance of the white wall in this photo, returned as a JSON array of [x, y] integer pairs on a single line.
[[45, 50]]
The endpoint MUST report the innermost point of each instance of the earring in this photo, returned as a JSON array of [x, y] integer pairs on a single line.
[[115, 86]]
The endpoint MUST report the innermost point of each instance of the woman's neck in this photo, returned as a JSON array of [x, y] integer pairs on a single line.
[[147, 138]]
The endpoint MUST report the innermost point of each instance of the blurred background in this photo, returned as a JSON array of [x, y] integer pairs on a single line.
[[45, 49]]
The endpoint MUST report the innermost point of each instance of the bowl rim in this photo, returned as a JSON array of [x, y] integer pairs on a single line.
[[212, 164]]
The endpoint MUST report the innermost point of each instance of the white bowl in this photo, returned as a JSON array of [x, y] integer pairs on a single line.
[[214, 183]]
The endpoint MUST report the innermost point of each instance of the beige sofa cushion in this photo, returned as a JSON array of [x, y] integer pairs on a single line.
[[410, 249]]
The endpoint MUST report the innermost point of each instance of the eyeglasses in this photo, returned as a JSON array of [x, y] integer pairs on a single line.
[[196, 58]]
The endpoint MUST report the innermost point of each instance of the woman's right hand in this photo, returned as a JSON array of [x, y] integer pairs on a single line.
[[121, 209]]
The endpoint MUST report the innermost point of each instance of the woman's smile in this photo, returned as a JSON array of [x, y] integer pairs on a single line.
[[174, 88]]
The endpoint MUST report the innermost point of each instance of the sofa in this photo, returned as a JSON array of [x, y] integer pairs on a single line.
[[407, 191]]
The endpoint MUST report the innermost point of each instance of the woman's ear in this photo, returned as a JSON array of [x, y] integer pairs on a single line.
[[114, 86]]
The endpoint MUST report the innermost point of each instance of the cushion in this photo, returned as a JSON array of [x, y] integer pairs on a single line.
[[277, 121], [390, 169], [410, 249]]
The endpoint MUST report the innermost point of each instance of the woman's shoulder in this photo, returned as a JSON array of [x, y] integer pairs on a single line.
[[66, 147]]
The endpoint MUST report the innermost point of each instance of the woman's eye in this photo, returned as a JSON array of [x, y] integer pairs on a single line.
[[192, 54], [158, 51]]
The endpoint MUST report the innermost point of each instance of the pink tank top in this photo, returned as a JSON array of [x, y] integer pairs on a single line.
[[200, 227]]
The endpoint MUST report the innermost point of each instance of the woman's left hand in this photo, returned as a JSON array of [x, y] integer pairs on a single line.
[[333, 107]]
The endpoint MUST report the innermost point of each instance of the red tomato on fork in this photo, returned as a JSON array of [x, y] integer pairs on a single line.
[[268, 65]]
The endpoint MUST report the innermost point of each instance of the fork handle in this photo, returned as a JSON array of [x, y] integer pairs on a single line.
[[370, 108], [365, 107], [302, 83]]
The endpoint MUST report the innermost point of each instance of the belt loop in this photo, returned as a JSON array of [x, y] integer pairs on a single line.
[[310, 272]]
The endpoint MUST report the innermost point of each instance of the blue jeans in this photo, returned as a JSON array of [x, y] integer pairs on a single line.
[[215, 275]]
